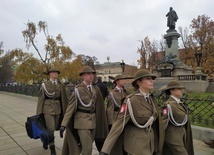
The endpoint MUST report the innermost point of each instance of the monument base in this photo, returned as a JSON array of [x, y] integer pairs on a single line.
[[190, 85]]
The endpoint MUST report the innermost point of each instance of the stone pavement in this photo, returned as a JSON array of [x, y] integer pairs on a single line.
[[14, 110]]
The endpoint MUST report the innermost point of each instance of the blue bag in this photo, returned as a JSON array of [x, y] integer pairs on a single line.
[[36, 128]]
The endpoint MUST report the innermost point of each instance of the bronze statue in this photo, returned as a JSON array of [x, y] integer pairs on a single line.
[[171, 19]]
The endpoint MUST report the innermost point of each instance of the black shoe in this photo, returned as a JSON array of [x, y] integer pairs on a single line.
[[53, 151], [45, 146], [44, 141]]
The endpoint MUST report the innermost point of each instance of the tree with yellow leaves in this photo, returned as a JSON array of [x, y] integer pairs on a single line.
[[200, 40], [55, 50]]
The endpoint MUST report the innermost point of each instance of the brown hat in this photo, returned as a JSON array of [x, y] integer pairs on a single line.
[[118, 77], [86, 69], [173, 84], [53, 69], [142, 73]]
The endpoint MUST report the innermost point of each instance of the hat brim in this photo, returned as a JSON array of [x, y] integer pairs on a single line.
[[122, 78], [80, 74], [53, 71], [174, 87], [149, 75]]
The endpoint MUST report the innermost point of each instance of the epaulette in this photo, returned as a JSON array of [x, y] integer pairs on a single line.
[[114, 90], [111, 91], [130, 95], [167, 102], [77, 85]]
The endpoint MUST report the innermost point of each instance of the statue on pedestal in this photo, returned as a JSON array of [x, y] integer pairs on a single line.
[[171, 19]]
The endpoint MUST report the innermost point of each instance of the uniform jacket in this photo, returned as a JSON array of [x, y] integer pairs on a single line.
[[179, 111], [77, 120], [134, 137], [112, 108], [51, 106]]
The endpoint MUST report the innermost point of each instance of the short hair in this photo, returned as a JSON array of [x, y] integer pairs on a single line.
[[99, 79]]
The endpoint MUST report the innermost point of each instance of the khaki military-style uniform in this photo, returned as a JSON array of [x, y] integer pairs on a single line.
[[178, 135], [52, 101], [131, 122], [114, 103], [80, 116]]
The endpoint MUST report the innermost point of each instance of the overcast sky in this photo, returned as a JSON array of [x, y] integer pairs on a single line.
[[97, 28]]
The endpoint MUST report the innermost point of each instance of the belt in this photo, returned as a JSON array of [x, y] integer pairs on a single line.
[[54, 98], [86, 111]]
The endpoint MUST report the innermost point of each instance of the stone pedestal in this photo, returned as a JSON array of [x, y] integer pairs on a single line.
[[172, 44], [198, 70]]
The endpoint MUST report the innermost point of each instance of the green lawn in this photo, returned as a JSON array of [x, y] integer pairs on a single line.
[[200, 95]]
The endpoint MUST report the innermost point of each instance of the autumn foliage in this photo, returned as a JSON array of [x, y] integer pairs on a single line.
[[33, 68], [199, 40]]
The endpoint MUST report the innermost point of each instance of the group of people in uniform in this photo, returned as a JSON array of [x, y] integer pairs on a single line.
[[129, 124]]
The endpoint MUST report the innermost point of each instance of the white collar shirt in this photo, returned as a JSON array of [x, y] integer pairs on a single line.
[[53, 81], [176, 99], [120, 89], [144, 94]]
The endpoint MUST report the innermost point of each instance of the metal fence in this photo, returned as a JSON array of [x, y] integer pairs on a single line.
[[201, 110], [31, 90]]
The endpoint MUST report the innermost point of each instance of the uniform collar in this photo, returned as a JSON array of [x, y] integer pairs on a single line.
[[86, 84], [120, 89], [176, 99], [144, 94], [54, 81]]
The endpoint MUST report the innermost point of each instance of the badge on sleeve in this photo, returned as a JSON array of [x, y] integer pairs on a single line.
[[123, 108], [164, 110]]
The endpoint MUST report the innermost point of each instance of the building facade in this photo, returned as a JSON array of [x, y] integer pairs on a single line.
[[111, 69]]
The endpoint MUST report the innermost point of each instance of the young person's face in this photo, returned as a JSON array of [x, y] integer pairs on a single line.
[[53, 75], [88, 78], [120, 83], [176, 92], [146, 84]]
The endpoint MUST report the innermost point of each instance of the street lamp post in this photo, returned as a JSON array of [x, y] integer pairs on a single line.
[[198, 55], [122, 64]]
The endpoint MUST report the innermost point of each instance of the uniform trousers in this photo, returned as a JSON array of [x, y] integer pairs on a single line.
[[176, 146], [86, 139], [176, 150], [52, 122]]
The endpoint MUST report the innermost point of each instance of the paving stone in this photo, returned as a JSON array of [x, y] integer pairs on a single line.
[[8, 145], [12, 151], [4, 137]]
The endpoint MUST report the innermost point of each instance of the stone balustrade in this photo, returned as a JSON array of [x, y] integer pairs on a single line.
[[192, 77]]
